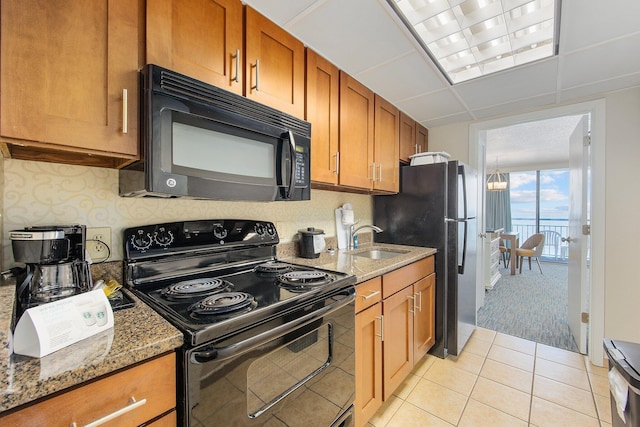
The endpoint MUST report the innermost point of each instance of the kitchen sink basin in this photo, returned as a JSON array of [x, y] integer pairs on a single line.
[[379, 253]]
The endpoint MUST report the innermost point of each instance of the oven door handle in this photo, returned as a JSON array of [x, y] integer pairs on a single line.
[[233, 350]]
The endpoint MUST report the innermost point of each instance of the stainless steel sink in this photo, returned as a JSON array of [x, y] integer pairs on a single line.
[[379, 253]]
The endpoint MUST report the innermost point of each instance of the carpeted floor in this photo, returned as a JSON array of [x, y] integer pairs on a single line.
[[530, 306]]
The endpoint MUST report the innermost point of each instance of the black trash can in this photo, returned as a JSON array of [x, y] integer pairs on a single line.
[[624, 357]]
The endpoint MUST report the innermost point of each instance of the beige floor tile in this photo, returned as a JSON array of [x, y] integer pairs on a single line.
[[599, 385], [467, 361], [477, 346], [478, 414], [548, 414], [508, 375], [559, 355], [438, 400], [386, 411], [603, 404], [563, 373], [423, 365], [515, 343], [502, 398], [444, 372], [484, 334], [409, 415], [511, 357], [564, 395], [406, 386], [602, 371]]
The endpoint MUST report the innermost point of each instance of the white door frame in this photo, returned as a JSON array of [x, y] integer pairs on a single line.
[[597, 110]]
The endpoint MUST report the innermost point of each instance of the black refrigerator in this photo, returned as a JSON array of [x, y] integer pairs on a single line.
[[436, 207]]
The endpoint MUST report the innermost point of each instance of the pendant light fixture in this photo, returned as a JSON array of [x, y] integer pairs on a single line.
[[497, 181]]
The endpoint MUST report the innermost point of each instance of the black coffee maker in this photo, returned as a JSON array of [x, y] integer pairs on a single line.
[[55, 264]]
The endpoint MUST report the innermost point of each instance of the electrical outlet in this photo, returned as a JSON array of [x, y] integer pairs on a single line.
[[97, 238]]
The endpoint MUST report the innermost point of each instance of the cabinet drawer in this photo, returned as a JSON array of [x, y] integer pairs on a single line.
[[153, 382], [404, 276], [368, 293]]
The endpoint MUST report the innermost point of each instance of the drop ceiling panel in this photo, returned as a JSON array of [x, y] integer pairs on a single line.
[[602, 62], [432, 106], [280, 11], [599, 88], [585, 23], [441, 121], [519, 83], [510, 107], [355, 35], [403, 78]]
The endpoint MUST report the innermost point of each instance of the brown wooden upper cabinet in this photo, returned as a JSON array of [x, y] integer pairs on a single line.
[[69, 80], [386, 146], [274, 65], [199, 38], [413, 137], [323, 89]]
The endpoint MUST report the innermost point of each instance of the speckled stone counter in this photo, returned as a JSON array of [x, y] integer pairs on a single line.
[[363, 268], [139, 333]]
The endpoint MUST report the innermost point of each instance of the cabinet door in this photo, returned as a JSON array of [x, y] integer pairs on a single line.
[[408, 135], [422, 139], [424, 317], [386, 146], [64, 68], [323, 89], [356, 133], [368, 363], [199, 38], [274, 65], [398, 339]]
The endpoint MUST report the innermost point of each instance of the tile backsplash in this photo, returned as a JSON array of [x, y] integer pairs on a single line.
[[38, 193]]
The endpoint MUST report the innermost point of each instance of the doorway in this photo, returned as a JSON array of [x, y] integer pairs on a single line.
[[477, 150]]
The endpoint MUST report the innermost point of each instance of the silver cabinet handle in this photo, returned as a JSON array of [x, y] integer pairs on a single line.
[[416, 148], [380, 172], [371, 295], [337, 156], [381, 318], [257, 67], [125, 112], [236, 78], [373, 171], [413, 299], [418, 298], [133, 404]]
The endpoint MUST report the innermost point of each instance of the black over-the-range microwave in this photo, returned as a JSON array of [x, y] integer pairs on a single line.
[[203, 142]]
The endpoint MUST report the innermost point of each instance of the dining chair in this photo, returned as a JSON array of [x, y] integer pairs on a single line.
[[531, 248]]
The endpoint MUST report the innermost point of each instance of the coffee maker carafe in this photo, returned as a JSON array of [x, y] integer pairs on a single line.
[[55, 264]]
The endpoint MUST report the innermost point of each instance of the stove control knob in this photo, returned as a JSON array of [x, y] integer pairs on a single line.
[[164, 237], [141, 240], [271, 230], [260, 229], [219, 231]]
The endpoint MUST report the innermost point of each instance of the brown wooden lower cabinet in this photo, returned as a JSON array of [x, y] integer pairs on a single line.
[[395, 328], [140, 394]]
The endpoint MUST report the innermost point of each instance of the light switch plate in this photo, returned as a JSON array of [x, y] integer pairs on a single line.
[[98, 243]]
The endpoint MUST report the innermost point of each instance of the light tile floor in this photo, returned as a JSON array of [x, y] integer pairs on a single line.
[[501, 380]]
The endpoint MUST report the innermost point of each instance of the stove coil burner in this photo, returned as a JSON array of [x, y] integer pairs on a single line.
[[304, 280], [273, 267], [196, 288], [224, 303]]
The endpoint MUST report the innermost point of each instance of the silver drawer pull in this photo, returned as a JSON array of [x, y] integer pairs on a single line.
[[371, 295], [125, 112], [133, 404]]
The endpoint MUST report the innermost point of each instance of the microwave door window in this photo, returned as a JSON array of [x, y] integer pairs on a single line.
[[222, 156]]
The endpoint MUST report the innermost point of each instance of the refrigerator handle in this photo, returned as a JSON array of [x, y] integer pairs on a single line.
[[462, 262], [463, 176]]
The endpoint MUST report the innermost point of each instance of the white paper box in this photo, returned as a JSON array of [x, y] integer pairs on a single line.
[[429, 157], [49, 327]]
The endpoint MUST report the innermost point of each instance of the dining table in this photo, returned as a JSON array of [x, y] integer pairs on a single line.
[[513, 237]]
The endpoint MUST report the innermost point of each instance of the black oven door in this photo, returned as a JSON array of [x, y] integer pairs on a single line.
[[295, 371]]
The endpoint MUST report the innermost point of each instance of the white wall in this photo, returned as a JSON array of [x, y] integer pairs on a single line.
[[622, 207]]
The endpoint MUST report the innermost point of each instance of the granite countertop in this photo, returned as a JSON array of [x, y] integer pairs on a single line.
[[139, 333], [363, 268]]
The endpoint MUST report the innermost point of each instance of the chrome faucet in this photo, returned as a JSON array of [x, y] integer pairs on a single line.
[[353, 231]]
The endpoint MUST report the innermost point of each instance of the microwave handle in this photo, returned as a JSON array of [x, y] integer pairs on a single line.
[[292, 172]]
